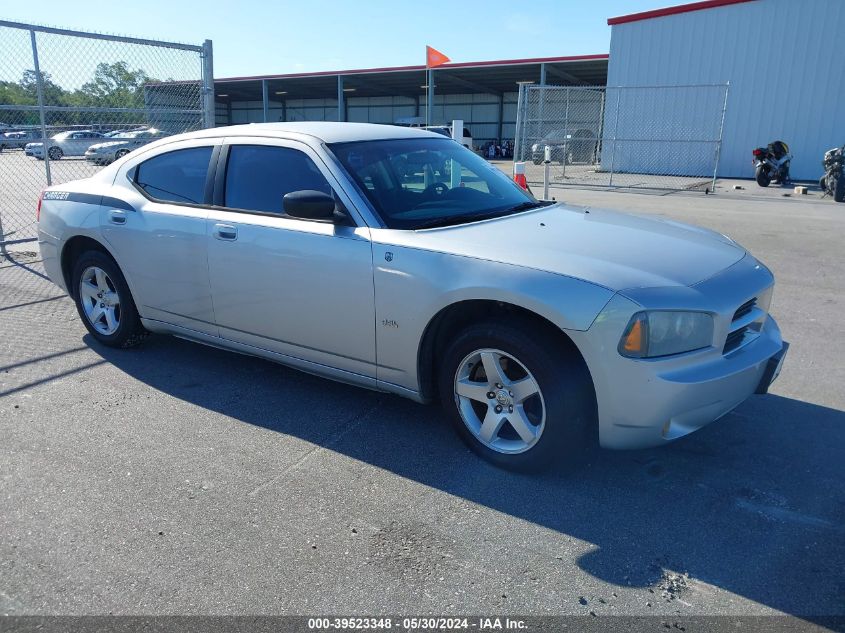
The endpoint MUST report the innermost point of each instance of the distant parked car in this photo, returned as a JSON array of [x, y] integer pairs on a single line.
[[570, 146], [17, 140], [65, 144], [120, 145], [446, 130]]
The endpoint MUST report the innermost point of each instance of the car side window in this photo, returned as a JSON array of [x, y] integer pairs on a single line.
[[177, 176], [259, 176]]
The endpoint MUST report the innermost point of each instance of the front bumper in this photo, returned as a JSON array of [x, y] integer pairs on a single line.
[[648, 402]]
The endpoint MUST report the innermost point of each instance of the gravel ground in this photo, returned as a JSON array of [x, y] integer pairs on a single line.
[[176, 478]]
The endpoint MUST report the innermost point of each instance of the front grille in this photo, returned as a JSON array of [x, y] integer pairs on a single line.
[[737, 334], [734, 339], [745, 308]]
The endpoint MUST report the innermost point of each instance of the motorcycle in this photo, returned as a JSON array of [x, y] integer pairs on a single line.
[[772, 163], [833, 181]]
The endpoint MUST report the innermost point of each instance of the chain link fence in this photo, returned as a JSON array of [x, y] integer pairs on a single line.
[[71, 102], [663, 137]]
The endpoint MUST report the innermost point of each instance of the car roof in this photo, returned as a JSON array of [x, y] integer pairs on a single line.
[[326, 131]]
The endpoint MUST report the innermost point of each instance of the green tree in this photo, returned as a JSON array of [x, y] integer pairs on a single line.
[[116, 86]]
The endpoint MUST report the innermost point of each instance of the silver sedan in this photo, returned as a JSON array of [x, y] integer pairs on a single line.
[[397, 260]]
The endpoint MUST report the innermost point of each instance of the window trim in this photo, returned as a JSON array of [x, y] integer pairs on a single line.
[[132, 174]]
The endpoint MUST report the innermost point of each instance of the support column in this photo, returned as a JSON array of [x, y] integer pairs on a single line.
[[341, 100], [265, 100], [430, 98], [501, 115]]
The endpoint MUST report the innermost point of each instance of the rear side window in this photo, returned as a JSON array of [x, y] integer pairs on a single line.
[[259, 176], [177, 176]]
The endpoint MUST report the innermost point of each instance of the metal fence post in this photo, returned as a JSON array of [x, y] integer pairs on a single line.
[[719, 142], [209, 108], [615, 129], [520, 119], [567, 134], [3, 252], [39, 83]]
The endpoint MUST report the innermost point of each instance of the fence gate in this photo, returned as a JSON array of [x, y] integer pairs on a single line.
[[62, 92], [658, 137]]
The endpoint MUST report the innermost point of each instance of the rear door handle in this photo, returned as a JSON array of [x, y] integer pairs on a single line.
[[117, 217], [225, 232]]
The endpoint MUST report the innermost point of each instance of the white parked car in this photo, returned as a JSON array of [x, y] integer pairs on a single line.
[[63, 144], [120, 144], [347, 250]]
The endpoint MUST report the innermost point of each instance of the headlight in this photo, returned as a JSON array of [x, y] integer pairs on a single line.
[[661, 333]]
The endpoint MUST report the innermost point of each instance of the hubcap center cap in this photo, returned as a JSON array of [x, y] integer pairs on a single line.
[[503, 398]]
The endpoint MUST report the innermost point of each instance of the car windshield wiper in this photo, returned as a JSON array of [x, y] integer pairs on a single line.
[[457, 219], [529, 204], [487, 215]]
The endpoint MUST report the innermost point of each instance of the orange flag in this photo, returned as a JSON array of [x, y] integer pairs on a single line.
[[434, 58]]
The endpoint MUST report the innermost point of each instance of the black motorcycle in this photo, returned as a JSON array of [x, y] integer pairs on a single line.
[[833, 181], [772, 163]]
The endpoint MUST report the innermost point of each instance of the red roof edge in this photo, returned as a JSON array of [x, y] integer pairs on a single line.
[[503, 62], [682, 8]]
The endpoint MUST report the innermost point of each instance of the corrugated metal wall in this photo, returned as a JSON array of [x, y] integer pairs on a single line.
[[783, 58], [480, 112]]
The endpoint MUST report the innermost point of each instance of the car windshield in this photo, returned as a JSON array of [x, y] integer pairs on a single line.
[[428, 182]]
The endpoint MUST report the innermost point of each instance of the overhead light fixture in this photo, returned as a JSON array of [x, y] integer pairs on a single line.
[[222, 95], [424, 86], [525, 83], [281, 92], [350, 89]]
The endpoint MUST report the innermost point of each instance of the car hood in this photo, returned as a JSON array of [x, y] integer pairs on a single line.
[[109, 145], [616, 250]]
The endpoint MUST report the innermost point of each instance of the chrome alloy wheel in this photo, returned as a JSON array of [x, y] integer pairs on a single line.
[[100, 300], [499, 401]]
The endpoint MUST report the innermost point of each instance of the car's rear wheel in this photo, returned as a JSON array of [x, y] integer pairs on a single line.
[[104, 302], [120, 153], [56, 153], [522, 402]]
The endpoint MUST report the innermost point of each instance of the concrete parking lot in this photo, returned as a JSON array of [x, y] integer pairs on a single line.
[[176, 478]]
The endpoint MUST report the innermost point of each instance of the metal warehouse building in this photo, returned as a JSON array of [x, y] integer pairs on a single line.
[[482, 94], [783, 59]]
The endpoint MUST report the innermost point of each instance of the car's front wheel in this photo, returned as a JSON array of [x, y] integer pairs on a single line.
[[522, 401], [56, 153], [104, 302]]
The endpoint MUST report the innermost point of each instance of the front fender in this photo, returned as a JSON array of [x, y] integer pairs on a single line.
[[412, 286]]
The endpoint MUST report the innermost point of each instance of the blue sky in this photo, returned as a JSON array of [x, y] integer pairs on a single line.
[[264, 37]]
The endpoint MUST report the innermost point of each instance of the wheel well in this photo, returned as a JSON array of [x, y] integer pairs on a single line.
[[73, 249], [447, 323]]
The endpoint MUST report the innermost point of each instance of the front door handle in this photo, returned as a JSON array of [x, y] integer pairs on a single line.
[[117, 216], [225, 232]]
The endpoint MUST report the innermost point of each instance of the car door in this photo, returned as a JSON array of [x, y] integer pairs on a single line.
[[296, 287], [75, 144], [156, 224]]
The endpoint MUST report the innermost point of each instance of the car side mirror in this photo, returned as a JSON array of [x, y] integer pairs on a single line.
[[309, 205]]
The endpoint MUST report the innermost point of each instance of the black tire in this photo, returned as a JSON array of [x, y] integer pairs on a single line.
[[129, 332], [838, 187], [569, 431], [823, 184], [762, 177], [55, 153], [120, 153]]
